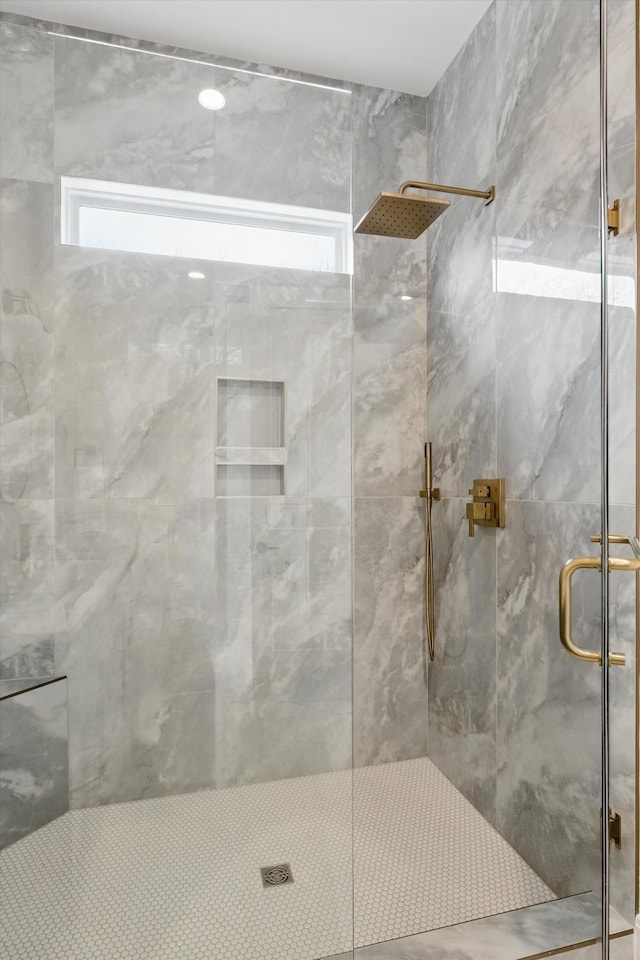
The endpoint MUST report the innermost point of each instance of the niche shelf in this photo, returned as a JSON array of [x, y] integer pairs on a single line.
[[251, 449], [250, 480]]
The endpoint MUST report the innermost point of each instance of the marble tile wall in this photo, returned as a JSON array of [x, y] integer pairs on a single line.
[[209, 641], [26, 352], [513, 390], [34, 776], [389, 369], [126, 116], [461, 420], [26, 104], [222, 627]]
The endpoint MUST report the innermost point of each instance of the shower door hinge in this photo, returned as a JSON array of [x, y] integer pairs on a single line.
[[615, 828], [613, 219]]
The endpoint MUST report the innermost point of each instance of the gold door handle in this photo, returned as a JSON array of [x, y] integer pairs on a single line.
[[633, 542], [565, 612], [621, 563]]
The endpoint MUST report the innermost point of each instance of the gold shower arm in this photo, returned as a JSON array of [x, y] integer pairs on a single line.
[[488, 195]]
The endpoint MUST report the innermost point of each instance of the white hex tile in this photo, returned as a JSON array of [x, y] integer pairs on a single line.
[[178, 878]]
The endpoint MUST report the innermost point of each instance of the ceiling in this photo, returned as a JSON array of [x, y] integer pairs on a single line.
[[397, 44]]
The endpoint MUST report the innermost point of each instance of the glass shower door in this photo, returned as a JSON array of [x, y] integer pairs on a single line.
[[515, 374]]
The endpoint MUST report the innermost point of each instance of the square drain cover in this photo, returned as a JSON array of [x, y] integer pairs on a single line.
[[277, 875]]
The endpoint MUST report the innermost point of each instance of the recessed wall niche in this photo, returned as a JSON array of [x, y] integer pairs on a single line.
[[251, 446], [251, 413]]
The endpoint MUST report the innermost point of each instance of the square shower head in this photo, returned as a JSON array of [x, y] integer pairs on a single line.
[[401, 215]]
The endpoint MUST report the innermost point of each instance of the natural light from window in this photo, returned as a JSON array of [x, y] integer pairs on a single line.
[[177, 223]]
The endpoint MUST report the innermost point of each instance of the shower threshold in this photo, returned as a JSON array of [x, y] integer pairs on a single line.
[[545, 929], [377, 854]]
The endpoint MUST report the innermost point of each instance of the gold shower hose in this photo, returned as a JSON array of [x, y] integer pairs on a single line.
[[429, 494]]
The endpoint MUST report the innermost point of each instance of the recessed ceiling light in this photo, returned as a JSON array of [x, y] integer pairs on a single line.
[[196, 275], [211, 99], [406, 297]]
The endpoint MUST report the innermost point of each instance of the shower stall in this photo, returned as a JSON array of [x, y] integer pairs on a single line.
[[222, 734]]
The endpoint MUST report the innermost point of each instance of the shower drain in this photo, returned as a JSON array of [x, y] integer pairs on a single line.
[[276, 876]]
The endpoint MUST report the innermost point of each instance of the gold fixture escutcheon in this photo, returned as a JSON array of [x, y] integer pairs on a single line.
[[487, 507]]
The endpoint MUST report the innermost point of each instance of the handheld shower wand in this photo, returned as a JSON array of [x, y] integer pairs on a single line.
[[430, 493]]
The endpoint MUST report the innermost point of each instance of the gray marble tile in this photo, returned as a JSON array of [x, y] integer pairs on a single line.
[[272, 739], [389, 366], [620, 949], [622, 182], [295, 327], [282, 142], [462, 695], [621, 118], [27, 588], [547, 272], [132, 117], [548, 448], [388, 418], [622, 373], [134, 627], [621, 67], [548, 702], [303, 676], [389, 343], [461, 376], [547, 249], [622, 784], [34, 778], [30, 657], [462, 113], [134, 378], [622, 720], [284, 573], [389, 696], [547, 98], [164, 138], [26, 340], [282, 639], [265, 562], [389, 144], [507, 936], [26, 103]]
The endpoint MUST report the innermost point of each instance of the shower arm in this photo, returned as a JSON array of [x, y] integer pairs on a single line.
[[488, 195]]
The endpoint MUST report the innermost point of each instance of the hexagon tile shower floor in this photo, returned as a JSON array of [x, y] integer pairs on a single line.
[[179, 877]]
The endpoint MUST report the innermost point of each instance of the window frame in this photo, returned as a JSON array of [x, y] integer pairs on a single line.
[[78, 192]]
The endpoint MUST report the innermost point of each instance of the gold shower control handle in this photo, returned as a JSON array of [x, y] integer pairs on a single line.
[[478, 513], [487, 507], [565, 611]]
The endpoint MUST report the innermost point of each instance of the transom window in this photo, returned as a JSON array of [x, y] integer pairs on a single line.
[[178, 223]]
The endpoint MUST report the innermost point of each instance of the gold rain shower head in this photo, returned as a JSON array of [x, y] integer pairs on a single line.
[[406, 215]]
